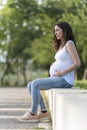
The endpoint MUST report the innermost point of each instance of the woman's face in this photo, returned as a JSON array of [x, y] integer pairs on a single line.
[[58, 32]]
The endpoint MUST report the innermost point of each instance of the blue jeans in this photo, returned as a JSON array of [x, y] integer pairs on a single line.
[[36, 85]]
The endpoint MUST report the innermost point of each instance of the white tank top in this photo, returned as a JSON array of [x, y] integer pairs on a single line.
[[62, 61]]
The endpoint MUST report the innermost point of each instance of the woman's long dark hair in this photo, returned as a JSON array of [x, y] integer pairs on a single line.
[[67, 34]]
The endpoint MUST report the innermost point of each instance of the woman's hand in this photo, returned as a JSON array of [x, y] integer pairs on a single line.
[[58, 73]]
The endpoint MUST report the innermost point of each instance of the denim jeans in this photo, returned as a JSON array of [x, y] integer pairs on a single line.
[[36, 85]]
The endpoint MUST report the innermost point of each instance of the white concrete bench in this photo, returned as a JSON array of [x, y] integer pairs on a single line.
[[68, 108]]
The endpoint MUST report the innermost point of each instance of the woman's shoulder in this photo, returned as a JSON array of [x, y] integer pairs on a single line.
[[70, 44]]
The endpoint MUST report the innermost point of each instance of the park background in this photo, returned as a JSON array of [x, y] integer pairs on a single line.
[[26, 32]]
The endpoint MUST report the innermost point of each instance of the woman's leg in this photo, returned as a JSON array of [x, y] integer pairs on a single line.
[[34, 87], [41, 102], [44, 84]]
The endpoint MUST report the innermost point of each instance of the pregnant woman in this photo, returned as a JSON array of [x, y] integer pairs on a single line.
[[61, 72]]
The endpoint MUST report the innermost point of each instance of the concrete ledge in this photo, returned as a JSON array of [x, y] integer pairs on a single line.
[[68, 108]]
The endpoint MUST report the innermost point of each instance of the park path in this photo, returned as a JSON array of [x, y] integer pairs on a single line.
[[13, 103]]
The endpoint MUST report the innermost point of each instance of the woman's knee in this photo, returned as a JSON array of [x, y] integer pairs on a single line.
[[35, 83]]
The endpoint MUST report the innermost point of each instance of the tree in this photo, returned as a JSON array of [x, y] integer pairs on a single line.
[[26, 32], [17, 32], [52, 11]]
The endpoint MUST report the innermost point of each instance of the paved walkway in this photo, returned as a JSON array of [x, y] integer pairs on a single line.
[[13, 103]]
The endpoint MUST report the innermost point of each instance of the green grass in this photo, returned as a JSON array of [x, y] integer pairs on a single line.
[[81, 84]]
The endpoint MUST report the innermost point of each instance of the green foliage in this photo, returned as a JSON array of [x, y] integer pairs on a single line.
[[42, 52]]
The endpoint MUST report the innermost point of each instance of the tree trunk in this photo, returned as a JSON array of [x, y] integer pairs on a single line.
[[85, 74], [76, 75], [5, 72], [24, 75]]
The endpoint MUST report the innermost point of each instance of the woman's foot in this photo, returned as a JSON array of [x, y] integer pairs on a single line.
[[43, 116], [28, 117]]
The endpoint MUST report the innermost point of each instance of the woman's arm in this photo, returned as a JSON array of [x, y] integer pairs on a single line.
[[71, 49]]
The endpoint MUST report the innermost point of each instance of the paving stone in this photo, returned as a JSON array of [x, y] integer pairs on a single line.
[[13, 103]]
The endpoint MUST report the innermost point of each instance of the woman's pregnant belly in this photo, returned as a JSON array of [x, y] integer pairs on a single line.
[[58, 65]]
